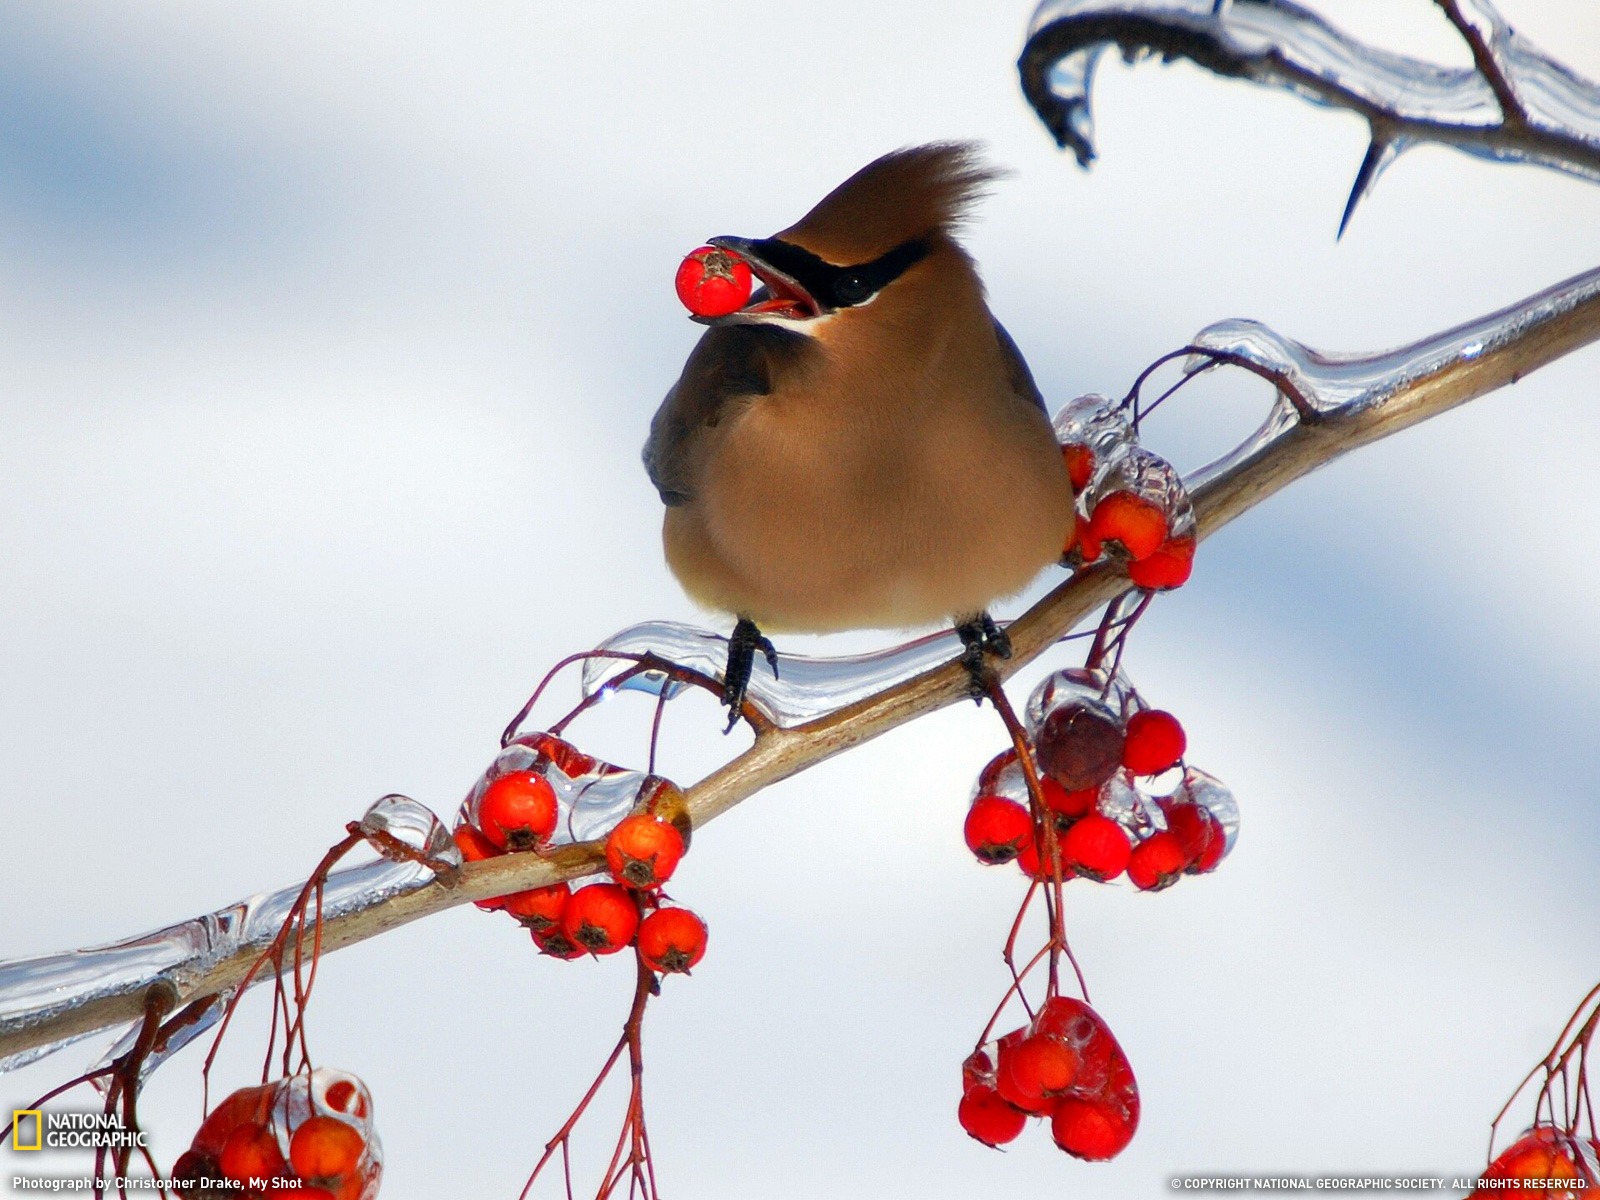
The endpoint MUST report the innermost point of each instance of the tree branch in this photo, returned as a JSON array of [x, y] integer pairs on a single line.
[[1514, 104], [1376, 397]]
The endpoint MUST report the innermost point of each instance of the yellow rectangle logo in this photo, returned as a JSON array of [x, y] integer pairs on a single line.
[[18, 1116]]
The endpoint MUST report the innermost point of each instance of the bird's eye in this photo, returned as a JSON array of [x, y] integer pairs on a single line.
[[851, 289]]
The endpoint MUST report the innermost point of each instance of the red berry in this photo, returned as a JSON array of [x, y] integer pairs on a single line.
[[247, 1106], [1157, 862], [1096, 846], [1038, 1067], [325, 1148], [713, 282], [1008, 1085], [1542, 1153], [556, 943], [1201, 835], [976, 1072], [1155, 742], [643, 851], [1066, 806], [344, 1096], [672, 939], [1085, 541], [1080, 464], [997, 829], [985, 1116], [1090, 1129], [601, 918], [251, 1152], [475, 847], [1137, 523], [539, 908], [566, 757], [518, 811], [1079, 747], [1169, 567], [1032, 863], [196, 1174]]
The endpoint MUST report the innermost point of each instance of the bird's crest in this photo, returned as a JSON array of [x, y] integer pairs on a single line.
[[906, 194]]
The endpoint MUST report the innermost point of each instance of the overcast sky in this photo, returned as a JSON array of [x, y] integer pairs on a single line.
[[329, 335]]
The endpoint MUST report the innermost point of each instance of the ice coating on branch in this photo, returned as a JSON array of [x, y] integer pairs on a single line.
[[1279, 44], [807, 687], [413, 825], [1347, 384], [33, 990]]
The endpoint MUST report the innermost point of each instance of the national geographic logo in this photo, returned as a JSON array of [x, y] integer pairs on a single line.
[[34, 1129]]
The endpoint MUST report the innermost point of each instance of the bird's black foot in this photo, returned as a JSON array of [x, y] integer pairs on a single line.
[[742, 647], [981, 636]]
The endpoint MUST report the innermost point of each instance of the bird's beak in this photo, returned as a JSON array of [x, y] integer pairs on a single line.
[[782, 297]]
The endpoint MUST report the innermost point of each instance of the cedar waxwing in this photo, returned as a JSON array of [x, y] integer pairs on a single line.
[[862, 445]]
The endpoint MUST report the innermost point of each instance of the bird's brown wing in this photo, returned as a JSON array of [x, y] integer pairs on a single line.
[[1017, 370], [730, 365]]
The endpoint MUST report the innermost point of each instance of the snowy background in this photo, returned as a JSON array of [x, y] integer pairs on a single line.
[[329, 335]]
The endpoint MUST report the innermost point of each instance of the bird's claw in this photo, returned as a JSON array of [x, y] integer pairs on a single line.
[[742, 647], [981, 637]]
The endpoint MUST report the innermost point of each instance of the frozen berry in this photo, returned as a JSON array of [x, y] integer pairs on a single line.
[[475, 847], [251, 1152], [1008, 1085], [1137, 523], [1066, 806], [1079, 747], [1169, 567], [518, 811], [1032, 863], [325, 1148], [713, 282], [643, 851], [1096, 846], [988, 1118], [672, 939], [601, 918], [247, 1106], [1039, 1067], [1157, 862], [997, 829], [1155, 742], [1201, 835], [1080, 464], [1090, 1129]]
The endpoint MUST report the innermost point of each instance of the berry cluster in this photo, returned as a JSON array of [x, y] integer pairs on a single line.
[[515, 807], [1128, 498], [1543, 1153], [1093, 741], [1064, 1065], [307, 1136]]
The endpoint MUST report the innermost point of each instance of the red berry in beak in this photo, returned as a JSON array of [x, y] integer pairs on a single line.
[[713, 283]]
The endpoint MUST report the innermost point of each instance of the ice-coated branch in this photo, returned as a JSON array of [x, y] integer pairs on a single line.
[[1354, 400], [1514, 104]]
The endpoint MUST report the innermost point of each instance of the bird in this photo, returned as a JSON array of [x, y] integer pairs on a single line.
[[862, 445]]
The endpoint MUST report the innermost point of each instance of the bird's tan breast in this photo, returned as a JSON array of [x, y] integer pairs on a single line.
[[890, 498]]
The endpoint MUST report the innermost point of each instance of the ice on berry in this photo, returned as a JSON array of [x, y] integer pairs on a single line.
[[1102, 425], [1211, 794]]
